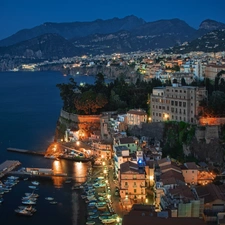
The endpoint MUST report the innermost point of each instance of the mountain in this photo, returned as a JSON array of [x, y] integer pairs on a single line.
[[209, 25], [213, 41], [152, 35], [75, 29], [46, 46]]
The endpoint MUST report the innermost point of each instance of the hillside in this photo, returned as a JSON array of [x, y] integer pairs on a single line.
[[213, 41]]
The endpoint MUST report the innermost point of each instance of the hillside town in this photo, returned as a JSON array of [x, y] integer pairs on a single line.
[[150, 185]]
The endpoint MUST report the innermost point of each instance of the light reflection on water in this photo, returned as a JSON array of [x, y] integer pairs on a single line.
[[77, 171]]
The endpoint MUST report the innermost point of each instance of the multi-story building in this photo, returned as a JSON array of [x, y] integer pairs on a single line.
[[136, 117], [176, 103], [132, 183]]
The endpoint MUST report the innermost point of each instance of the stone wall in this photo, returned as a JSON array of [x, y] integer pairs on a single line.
[[207, 133], [80, 118]]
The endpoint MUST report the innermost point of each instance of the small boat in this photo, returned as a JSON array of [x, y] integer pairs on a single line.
[[53, 202], [1, 200], [32, 195], [94, 216], [29, 198], [32, 187], [67, 181], [23, 212], [35, 183], [13, 178], [26, 178], [49, 198], [106, 221], [28, 202], [90, 222], [27, 208]]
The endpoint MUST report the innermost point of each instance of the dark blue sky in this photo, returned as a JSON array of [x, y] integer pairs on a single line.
[[19, 14]]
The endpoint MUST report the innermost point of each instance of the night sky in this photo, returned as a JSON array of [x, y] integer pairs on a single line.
[[19, 14]]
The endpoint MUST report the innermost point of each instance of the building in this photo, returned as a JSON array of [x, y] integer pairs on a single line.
[[176, 103], [132, 184], [121, 155], [212, 70], [190, 173], [136, 117], [129, 142]]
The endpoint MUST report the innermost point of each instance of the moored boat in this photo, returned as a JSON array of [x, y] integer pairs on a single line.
[[35, 183], [107, 221], [90, 222], [32, 187], [49, 198], [28, 202], [23, 212]]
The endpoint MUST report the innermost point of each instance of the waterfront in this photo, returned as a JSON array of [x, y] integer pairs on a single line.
[[30, 106]]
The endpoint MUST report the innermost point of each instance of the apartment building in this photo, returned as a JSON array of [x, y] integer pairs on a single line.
[[132, 183], [176, 103]]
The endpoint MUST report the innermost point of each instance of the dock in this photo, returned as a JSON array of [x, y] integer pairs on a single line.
[[24, 151], [8, 166]]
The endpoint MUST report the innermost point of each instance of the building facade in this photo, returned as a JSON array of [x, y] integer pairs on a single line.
[[176, 103]]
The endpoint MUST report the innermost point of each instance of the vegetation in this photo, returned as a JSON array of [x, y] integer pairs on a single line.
[[175, 135], [115, 96]]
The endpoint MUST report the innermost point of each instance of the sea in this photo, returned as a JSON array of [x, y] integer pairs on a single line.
[[30, 105]]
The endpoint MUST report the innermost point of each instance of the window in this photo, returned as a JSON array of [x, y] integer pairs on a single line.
[[176, 103], [172, 102], [135, 190], [184, 104], [180, 104], [134, 177], [126, 184]]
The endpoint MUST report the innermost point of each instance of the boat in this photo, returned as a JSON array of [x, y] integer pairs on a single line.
[[23, 212], [90, 222], [67, 181], [28, 202], [106, 221], [94, 216], [26, 178], [53, 202], [13, 178], [49, 198], [32, 187], [100, 206], [1, 200], [29, 198], [32, 195], [27, 208], [35, 183]]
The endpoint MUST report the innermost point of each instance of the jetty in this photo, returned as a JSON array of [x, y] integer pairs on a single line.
[[8, 166], [24, 151]]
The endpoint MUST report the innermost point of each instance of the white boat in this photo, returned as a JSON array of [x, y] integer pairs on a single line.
[[53, 202], [23, 212], [32, 195], [1, 200], [29, 198], [32, 187], [13, 178], [35, 182], [28, 202], [49, 198], [106, 221], [90, 222]]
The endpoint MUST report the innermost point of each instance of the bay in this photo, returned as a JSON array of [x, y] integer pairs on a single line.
[[30, 105]]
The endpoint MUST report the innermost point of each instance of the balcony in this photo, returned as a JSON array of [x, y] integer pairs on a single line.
[[143, 186], [126, 187]]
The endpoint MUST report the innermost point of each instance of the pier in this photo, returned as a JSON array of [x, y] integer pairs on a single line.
[[8, 166], [25, 151]]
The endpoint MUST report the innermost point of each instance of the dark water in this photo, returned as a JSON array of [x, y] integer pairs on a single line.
[[29, 108]]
